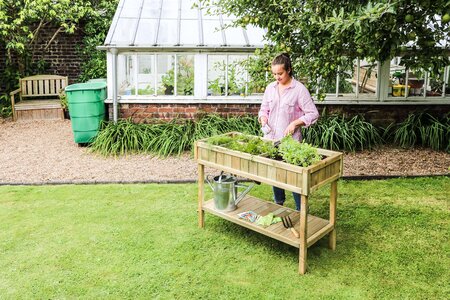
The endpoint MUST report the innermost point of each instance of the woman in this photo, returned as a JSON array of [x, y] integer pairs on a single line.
[[286, 107]]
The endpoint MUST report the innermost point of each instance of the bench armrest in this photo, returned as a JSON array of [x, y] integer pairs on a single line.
[[14, 92], [13, 102]]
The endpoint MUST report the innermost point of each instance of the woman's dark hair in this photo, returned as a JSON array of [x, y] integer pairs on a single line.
[[285, 60]]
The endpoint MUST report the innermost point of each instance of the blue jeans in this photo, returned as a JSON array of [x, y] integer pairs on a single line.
[[280, 196]]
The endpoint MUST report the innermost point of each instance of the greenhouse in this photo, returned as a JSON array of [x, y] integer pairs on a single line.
[[174, 55]]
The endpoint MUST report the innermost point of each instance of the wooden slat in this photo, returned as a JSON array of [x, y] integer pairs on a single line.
[[220, 158], [319, 234], [272, 172], [47, 86], [281, 175], [35, 88], [29, 88], [23, 87], [262, 170], [244, 167], [253, 167], [262, 179], [58, 85], [41, 87], [52, 87], [236, 162], [291, 178]]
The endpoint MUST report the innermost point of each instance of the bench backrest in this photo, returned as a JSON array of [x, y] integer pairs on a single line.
[[42, 85]]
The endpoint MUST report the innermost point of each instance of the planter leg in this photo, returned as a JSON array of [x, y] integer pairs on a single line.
[[333, 203], [201, 182], [303, 249]]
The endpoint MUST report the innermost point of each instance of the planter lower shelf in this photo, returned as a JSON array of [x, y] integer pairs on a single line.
[[317, 227]]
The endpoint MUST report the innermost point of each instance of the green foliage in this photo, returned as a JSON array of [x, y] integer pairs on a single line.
[[247, 144], [330, 132], [163, 139], [290, 150], [96, 25], [421, 129], [322, 36], [63, 99], [336, 132], [299, 154]]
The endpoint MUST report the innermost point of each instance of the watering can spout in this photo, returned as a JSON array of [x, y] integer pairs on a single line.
[[242, 195]]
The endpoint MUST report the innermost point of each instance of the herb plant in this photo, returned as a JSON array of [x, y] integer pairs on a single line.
[[300, 154]]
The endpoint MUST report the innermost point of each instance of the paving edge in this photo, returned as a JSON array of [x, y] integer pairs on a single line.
[[180, 181]]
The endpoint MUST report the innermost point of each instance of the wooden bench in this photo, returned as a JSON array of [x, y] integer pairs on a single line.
[[38, 98]]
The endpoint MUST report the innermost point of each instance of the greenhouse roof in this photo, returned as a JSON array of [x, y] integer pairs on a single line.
[[177, 24]]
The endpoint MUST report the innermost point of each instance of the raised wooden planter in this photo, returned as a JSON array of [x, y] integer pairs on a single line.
[[277, 173]]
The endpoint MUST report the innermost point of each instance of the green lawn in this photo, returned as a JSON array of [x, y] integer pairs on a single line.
[[142, 241]]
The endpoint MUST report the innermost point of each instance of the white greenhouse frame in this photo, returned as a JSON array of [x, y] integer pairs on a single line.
[[182, 27]]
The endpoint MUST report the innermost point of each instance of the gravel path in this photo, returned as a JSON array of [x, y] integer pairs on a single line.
[[37, 152]]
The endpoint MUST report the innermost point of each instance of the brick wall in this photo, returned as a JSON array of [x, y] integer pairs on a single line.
[[61, 54], [381, 115], [143, 113]]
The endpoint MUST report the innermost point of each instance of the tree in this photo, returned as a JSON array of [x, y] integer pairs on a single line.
[[22, 23], [324, 37]]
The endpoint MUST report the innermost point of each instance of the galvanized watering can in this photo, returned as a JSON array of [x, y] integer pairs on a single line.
[[225, 188]]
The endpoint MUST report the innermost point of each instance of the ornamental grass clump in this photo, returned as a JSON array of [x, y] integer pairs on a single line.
[[340, 133], [421, 129], [299, 154]]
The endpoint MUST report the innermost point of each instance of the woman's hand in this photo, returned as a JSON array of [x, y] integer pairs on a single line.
[[263, 120], [293, 126]]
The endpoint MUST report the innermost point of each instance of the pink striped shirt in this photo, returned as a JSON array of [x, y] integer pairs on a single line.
[[281, 109]]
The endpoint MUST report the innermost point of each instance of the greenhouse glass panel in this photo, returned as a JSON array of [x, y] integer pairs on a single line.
[[346, 86], [416, 82], [234, 35], [167, 32], [367, 81], [185, 75], [146, 75], [237, 75], [146, 28], [125, 74], [212, 33], [150, 12], [131, 9], [189, 32], [255, 35], [170, 9], [435, 84], [165, 74], [122, 34], [187, 11], [216, 75]]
